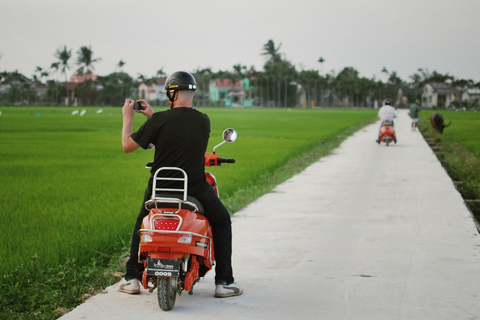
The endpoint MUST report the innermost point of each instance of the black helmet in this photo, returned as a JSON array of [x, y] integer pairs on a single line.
[[180, 80], [387, 102]]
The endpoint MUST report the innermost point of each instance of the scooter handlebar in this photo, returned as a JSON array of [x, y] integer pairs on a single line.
[[225, 160], [213, 160]]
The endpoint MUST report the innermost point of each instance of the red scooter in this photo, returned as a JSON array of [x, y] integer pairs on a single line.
[[176, 244], [387, 132]]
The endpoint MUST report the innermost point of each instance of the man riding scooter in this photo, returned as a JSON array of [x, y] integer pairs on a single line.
[[180, 136], [386, 113]]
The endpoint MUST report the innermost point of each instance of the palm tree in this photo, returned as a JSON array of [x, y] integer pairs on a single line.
[[273, 53], [120, 65], [161, 73], [63, 55], [37, 81], [321, 60], [41, 74], [55, 66], [85, 60], [54, 84]]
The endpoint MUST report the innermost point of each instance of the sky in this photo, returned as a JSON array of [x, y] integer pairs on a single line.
[[152, 35]]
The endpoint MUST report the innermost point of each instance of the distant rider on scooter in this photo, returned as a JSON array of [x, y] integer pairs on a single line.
[[386, 112]]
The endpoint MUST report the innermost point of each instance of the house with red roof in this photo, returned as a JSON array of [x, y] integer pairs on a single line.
[[232, 94]]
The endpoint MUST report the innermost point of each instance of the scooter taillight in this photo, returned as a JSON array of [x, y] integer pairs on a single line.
[[166, 224]]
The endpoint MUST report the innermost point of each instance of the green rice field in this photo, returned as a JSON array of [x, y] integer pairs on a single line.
[[68, 190]]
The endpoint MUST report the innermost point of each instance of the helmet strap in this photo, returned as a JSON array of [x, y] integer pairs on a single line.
[[171, 97]]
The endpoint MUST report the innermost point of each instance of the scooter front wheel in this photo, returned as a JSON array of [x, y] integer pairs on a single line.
[[166, 292]]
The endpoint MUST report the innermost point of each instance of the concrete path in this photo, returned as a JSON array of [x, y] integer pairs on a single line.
[[370, 232]]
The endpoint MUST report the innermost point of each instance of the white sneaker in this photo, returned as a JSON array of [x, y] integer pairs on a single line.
[[227, 290], [131, 287]]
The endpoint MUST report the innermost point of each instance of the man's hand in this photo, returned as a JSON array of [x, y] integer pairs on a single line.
[[127, 109], [146, 108]]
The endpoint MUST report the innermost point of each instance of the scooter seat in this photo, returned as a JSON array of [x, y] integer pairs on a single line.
[[173, 202]]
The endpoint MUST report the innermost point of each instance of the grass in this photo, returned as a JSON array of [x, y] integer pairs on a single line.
[[458, 151], [70, 196]]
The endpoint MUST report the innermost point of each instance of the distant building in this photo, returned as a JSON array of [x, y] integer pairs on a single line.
[[471, 97], [75, 80], [438, 95], [21, 89], [232, 94], [81, 77], [153, 90]]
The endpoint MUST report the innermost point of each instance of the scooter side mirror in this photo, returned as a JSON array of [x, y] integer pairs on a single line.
[[229, 135]]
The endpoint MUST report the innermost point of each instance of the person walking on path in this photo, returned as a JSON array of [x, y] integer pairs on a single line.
[[414, 111]]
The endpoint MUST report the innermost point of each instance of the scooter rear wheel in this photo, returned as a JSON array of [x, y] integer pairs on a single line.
[[166, 292]]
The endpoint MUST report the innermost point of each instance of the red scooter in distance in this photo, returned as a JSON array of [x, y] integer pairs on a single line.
[[176, 245], [387, 132]]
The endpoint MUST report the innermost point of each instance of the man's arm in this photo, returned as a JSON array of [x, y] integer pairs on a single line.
[[128, 144]]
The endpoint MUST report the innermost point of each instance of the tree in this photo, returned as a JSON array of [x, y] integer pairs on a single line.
[[203, 77], [309, 81], [41, 74], [279, 76], [161, 73], [116, 87], [55, 66], [85, 60], [20, 87], [120, 65], [272, 52], [63, 55], [344, 85], [87, 93], [321, 60], [142, 79], [237, 74]]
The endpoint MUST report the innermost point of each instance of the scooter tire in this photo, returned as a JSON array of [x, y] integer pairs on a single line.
[[166, 292]]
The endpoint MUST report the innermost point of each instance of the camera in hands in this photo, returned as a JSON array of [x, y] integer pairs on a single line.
[[137, 106]]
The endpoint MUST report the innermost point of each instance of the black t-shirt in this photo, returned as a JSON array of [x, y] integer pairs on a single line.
[[180, 136]]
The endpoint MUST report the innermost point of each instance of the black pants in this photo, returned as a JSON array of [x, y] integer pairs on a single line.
[[221, 224]]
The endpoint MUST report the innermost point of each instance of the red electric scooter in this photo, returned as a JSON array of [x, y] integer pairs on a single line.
[[387, 132], [176, 244]]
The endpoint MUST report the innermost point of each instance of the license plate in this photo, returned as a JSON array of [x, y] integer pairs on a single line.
[[163, 267]]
